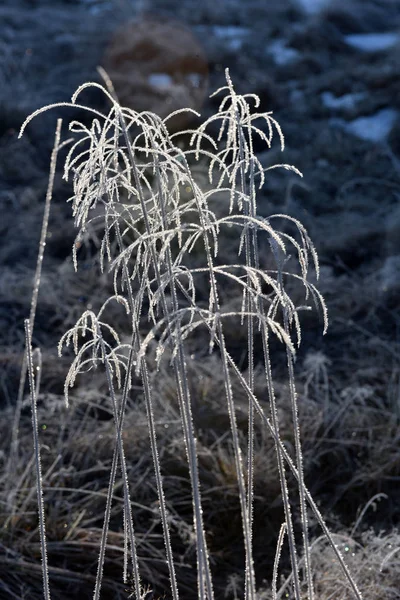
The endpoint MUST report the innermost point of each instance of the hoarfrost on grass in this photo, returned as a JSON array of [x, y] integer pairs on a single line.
[[165, 220]]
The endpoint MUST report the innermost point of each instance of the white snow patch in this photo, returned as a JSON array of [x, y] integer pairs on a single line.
[[282, 54], [160, 80], [374, 128], [372, 42], [232, 35], [390, 274], [96, 7], [313, 7], [230, 31], [346, 102]]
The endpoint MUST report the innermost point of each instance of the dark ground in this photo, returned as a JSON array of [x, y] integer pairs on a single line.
[[349, 380]]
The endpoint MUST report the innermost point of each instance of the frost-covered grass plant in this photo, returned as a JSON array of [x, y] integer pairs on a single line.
[[134, 182]]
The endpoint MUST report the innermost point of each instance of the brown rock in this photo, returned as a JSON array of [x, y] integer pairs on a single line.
[[158, 66]]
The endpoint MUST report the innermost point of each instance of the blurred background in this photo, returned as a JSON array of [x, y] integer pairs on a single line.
[[330, 72]]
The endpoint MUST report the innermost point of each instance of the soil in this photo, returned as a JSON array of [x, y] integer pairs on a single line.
[[329, 97]]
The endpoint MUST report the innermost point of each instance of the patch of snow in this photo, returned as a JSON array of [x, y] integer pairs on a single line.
[[390, 274], [282, 54], [313, 7], [229, 31], [372, 42], [97, 6], [346, 102], [374, 128], [232, 35], [160, 80]]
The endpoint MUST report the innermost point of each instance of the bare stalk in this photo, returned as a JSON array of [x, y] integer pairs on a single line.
[[36, 446], [35, 294]]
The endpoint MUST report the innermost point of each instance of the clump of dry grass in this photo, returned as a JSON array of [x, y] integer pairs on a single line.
[[76, 453]]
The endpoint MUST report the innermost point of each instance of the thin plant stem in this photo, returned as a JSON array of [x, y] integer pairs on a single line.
[[127, 503], [38, 466], [35, 294], [277, 557], [296, 432]]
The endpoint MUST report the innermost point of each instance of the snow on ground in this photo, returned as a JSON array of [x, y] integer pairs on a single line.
[[374, 128], [313, 7], [346, 102], [160, 80], [372, 42], [231, 35], [282, 54]]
